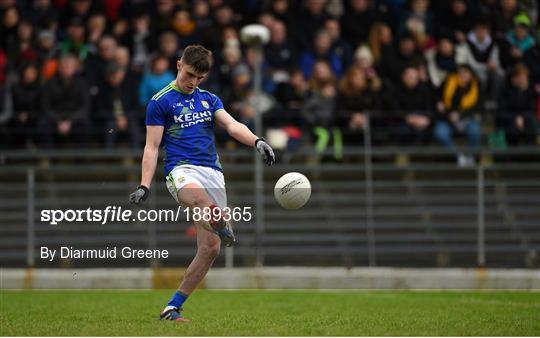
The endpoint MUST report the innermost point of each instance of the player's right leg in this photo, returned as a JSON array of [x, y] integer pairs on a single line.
[[197, 199], [202, 191]]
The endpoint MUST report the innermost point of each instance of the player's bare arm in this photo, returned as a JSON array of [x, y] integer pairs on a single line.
[[242, 134], [150, 155], [149, 162]]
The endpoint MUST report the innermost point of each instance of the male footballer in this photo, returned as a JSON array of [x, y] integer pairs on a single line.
[[181, 117]]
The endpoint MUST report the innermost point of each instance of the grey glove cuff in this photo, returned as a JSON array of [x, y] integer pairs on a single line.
[[146, 190]]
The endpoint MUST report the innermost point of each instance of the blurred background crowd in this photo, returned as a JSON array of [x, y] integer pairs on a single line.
[[418, 72]]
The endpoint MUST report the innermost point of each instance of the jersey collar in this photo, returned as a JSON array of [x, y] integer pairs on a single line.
[[175, 87]]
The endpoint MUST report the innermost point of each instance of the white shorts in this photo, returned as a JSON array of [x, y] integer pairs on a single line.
[[209, 178]]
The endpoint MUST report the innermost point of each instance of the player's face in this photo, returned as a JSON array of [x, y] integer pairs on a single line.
[[188, 79]]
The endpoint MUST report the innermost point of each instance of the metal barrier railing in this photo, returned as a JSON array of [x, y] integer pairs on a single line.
[[340, 188], [480, 215]]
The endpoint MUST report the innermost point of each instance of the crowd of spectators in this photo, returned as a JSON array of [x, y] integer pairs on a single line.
[[416, 71]]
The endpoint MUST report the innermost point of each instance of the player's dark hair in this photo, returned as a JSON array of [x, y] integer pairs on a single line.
[[197, 57]]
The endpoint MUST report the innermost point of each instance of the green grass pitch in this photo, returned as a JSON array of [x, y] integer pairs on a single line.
[[276, 313]]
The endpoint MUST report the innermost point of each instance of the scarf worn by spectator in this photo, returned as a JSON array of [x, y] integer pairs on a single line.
[[469, 98], [480, 50], [447, 63]]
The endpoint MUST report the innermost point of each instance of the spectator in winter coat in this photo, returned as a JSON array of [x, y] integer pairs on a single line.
[[26, 96], [519, 39], [117, 109], [65, 105], [413, 109], [517, 114]]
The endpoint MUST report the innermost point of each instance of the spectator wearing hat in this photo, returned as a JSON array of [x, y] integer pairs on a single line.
[[457, 109], [517, 115], [519, 38]]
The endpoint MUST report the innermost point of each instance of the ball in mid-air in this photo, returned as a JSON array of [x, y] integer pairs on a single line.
[[292, 190]]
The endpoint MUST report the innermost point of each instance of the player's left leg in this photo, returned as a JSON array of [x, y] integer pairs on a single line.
[[192, 196], [208, 247]]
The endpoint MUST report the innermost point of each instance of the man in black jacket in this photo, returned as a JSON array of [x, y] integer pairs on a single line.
[[117, 108], [413, 109], [66, 103], [517, 108]]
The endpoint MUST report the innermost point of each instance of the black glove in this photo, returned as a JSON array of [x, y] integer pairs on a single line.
[[139, 195], [266, 151]]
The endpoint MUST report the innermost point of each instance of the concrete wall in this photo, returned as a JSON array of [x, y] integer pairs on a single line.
[[372, 278], [76, 278], [274, 278]]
